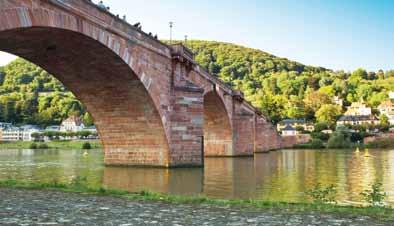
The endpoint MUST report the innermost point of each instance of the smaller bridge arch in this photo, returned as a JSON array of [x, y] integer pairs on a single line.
[[218, 132]]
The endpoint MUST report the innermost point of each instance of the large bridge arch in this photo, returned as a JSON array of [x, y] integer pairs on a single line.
[[218, 132], [110, 76], [147, 98]]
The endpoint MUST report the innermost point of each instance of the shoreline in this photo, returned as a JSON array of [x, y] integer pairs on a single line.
[[67, 144], [77, 187]]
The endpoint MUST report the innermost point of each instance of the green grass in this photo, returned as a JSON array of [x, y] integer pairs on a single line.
[[75, 144], [78, 186]]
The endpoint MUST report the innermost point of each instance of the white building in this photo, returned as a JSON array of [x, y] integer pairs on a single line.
[[289, 131], [72, 124], [23, 133], [358, 108], [11, 134], [5, 125], [53, 128], [391, 95], [387, 108]]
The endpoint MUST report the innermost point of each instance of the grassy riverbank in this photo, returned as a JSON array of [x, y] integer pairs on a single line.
[[75, 144], [78, 186]]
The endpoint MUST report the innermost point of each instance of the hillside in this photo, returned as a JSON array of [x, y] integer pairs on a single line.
[[279, 87], [286, 89]]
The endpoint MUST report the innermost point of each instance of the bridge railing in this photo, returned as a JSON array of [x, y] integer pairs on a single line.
[[179, 50]]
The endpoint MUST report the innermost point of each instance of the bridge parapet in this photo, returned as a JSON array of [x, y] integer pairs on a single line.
[[112, 23]]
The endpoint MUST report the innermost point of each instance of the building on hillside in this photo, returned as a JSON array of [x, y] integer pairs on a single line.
[[11, 134], [72, 124], [52, 129], [387, 108], [358, 108], [295, 123], [5, 125], [391, 95], [358, 120], [289, 131], [338, 101]]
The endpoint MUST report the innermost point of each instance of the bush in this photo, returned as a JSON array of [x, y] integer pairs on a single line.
[[320, 136], [322, 195], [339, 139], [313, 144], [320, 126], [43, 146], [86, 145], [376, 196], [317, 144], [33, 146], [357, 137]]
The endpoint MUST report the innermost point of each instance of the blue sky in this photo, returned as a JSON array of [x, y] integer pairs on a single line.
[[335, 34]]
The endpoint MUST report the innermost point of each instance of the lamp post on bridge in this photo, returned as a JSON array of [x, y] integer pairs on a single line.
[[171, 26]]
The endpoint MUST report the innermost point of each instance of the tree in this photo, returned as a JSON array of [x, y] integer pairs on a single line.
[[384, 122], [339, 139], [314, 100], [36, 136], [87, 119], [320, 126], [328, 113]]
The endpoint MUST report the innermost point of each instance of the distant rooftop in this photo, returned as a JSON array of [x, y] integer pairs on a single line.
[[289, 121], [289, 128], [357, 118]]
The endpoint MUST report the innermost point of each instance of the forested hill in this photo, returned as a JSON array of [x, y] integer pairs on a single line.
[[279, 87], [286, 89], [28, 94]]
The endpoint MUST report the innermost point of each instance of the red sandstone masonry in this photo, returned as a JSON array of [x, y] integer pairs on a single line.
[[152, 103]]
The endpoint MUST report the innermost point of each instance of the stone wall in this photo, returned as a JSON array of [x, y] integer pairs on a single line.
[[378, 137]]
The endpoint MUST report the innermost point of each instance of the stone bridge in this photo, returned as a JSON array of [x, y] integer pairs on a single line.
[[153, 105]]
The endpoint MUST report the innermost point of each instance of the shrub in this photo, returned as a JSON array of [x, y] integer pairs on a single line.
[[43, 146], [86, 145], [357, 137], [339, 139], [317, 143], [320, 126], [79, 182], [376, 196], [320, 136], [33, 146], [320, 194]]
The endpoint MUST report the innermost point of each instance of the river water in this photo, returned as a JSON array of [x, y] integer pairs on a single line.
[[282, 175]]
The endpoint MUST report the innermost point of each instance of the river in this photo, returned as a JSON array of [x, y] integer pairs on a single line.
[[283, 175]]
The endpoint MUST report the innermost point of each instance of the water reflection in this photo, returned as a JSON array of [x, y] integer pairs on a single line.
[[282, 175], [171, 181]]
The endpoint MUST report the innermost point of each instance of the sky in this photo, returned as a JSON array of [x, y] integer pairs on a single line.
[[336, 34]]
